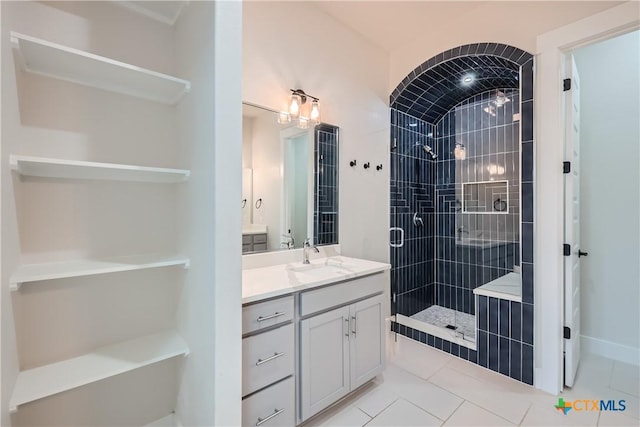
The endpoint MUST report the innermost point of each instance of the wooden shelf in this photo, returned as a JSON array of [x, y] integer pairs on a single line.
[[166, 12], [73, 169], [105, 362], [89, 267], [61, 62]]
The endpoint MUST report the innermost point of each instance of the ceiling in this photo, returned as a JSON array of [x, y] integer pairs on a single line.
[[391, 24], [433, 93]]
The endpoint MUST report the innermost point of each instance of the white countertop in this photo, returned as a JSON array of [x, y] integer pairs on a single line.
[[506, 287], [268, 282], [254, 229]]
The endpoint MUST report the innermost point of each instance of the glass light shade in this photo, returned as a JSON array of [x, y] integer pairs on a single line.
[[459, 152], [284, 118], [303, 122], [315, 112], [294, 105]]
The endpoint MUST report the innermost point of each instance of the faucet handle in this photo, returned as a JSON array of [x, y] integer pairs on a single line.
[[307, 242]]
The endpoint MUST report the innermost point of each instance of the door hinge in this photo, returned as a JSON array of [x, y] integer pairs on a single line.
[[566, 167], [567, 333], [566, 249], [566, 85]]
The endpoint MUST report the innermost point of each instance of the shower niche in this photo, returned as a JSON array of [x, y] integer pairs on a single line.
[[472, 107]]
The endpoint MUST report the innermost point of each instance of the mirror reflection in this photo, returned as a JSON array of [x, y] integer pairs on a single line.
[[289, 182]]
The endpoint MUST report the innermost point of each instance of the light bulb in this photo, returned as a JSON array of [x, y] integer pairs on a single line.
[[315, 112], [459, 152], [294, 105], [303, 122], [284, 118]]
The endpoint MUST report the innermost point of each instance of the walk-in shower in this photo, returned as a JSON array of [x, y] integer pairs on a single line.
[[465, 186]]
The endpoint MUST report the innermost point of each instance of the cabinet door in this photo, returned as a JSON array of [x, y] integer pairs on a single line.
[[367, 340], [324, 360]]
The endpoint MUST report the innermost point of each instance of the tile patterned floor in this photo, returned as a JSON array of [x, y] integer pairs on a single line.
[[442, 316], [422, 386]]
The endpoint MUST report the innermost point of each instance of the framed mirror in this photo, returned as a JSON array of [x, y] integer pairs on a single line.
[[289, 182]]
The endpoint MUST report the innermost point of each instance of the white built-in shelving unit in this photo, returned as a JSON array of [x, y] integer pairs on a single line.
[[104, 362], [49, 59], [166, 12], [73, 169], [88, 267]]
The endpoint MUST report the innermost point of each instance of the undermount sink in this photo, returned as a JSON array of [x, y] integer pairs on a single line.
[[321, 266]]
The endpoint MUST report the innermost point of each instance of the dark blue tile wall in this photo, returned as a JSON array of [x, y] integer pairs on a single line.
[[489, 134], [412, 191], [325, 214], [506, 357], [505, 329]]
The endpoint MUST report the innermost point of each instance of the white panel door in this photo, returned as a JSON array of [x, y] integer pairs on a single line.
[[324, 360], [572, 226], [367, 349]]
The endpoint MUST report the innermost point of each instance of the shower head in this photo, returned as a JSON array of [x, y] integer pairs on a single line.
[[430, 152]]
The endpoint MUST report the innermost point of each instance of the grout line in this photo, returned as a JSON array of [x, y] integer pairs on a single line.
[[455, 410]]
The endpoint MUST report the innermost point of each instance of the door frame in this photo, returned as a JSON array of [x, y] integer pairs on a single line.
[[552, 48]]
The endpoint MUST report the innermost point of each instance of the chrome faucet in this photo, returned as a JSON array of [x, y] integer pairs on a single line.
[[305, 250]]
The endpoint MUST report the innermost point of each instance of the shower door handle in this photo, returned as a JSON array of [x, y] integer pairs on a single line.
[[397, 245]]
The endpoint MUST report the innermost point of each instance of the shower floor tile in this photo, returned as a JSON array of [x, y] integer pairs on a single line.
[[442, 316]]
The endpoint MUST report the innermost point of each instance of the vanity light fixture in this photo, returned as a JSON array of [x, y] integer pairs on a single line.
[[298, 99], [303, 122], [284, 118]]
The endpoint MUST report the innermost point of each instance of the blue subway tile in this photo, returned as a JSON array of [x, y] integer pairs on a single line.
[[504, 318], [493, 352], [527, 323], [526, 80], [515, 370], [483, 313], [527, 283], [527, 201], [503, 361], [527, 364], [493, 315], [526, 121], [483, 349], [527, 242], [516, 320]]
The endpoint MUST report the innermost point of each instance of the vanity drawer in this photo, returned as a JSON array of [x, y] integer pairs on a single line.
[[340, 294], [273, 406], [265, 314], [259, 247], [246, 239], [267, 358], [259, 238]]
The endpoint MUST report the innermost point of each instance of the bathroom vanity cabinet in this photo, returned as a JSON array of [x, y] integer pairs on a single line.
[[268, 363], [339, 351], [308, 349], [254, 242]]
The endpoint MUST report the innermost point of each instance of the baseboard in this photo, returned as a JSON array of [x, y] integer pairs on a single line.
[[610, 350]]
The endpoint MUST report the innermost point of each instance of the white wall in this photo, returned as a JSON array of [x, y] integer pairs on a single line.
[[289, 45], [515, 23], [610, 217], [266, 149], [549, 113], [209, 313]]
